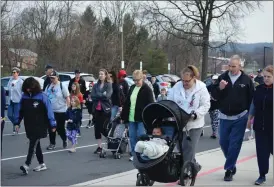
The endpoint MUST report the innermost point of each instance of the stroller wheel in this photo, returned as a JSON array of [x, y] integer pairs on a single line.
[[188, 176], [117, 155], [103, 155], [143, 180]]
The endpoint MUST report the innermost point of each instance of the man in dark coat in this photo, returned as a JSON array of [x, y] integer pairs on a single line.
[[48, 71], [79, 80]]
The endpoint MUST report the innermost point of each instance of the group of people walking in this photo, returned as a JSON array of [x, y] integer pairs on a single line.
[[231, 101]]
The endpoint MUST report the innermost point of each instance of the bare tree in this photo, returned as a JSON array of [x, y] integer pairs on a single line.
[[193, 20]]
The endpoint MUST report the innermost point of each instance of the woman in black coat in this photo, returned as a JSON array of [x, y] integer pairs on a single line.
[[140, 95], [101, 97], [262, 111], [115, 97]]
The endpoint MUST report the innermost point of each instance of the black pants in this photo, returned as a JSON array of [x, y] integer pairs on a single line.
[[60, 123], [264, 147], [101, 121], [34, 148], [2, 129]]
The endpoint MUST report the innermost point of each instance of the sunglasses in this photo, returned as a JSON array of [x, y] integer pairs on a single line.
[[136, 80], [187, 81]]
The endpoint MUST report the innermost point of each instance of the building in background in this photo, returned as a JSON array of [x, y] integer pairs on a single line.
[[22, 58]]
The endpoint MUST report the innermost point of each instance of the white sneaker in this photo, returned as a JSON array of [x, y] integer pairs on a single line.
[[25, 169], [131, 158], [41, 167]]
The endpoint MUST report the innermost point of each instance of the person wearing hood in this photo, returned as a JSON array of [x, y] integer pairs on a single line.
[[192, 96]]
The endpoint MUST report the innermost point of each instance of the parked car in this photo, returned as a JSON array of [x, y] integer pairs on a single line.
[[5, 80], [65, 77]]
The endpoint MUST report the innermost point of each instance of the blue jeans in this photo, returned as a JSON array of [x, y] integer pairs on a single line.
[[114, 111], [13, 112], [231, 138], [136, 129]]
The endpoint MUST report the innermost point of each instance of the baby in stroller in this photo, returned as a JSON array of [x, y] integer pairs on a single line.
[[154, 147]]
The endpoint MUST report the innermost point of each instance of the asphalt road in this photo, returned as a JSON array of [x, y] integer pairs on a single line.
[[67, 168]]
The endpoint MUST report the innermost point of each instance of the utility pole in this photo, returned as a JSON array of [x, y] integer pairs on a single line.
[[122, 45], [264, 55]]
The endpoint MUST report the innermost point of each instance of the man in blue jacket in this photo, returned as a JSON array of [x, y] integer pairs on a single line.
[[234, 92], [3, 107]]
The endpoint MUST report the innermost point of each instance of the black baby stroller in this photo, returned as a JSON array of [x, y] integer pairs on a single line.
[[117, 139], [170, 167]]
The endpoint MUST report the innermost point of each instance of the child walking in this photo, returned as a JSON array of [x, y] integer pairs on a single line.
[[73, 122], [75, 91], [89, 104]]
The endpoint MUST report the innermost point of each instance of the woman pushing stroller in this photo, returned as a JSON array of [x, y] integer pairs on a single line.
[[192, 96]]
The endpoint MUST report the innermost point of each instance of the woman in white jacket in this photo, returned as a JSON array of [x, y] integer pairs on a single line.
[[192, 96]]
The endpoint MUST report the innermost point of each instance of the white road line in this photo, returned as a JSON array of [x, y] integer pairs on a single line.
[[25, 132], [49, 152]]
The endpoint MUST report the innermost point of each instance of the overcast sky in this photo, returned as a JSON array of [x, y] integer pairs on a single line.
[[257, 27]]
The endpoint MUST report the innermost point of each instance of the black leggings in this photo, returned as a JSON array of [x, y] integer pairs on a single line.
[[2, 129], [60, 128], [101, 120], [34, 148]]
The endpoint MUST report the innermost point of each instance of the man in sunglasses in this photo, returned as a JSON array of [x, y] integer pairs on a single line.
[[15, 94]]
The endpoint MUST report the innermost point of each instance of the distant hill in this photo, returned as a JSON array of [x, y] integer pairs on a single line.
[[244, 47]]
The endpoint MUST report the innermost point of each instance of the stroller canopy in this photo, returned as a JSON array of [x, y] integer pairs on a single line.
[[164, 109]]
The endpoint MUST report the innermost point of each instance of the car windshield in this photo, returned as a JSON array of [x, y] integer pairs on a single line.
[[88, 78], [166, 79]]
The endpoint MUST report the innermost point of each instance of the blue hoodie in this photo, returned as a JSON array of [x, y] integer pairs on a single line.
[[37, 113]]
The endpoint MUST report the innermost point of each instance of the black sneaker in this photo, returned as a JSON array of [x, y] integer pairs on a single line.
[[234, 171], [228, 175], [51, 147], [98, 150], [213, 136], [65, 144], [25, 169], [260, 180]]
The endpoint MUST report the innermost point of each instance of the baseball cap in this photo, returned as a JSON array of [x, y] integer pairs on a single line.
[[77, 71], [54, 74], [215, 77], [259, 70]]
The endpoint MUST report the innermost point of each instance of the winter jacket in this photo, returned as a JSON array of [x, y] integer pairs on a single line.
[[144, 97], [214, 104], [234, 99], [156, 90], [198, 101], [75, 115], [103, 96], [38, 115], [263, 108], [115, 97], [82, 84]]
